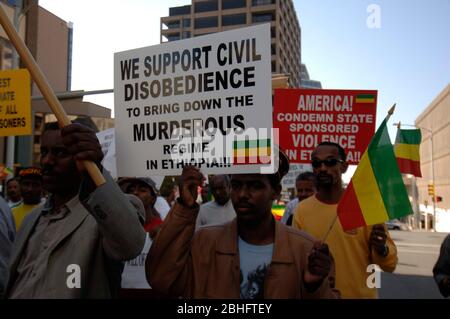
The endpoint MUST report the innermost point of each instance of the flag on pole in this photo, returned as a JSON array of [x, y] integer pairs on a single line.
[[376, 192], [406, 150]]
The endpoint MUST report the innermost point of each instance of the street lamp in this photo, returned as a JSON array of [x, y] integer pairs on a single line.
[[432, 165]]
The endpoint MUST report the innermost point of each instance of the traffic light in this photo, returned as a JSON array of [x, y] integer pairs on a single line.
[[438, 199], [431, 190]]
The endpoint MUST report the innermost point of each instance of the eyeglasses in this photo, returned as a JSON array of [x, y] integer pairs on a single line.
[[329, 162]]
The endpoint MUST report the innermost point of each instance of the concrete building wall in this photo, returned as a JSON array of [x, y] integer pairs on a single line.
[[435, 117], [52, 50]]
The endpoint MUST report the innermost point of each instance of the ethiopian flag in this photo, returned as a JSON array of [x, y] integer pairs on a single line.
[[376, 192], [251, 152], [365, 98], [406, 150]]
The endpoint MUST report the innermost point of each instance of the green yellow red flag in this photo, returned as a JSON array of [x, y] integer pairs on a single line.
[[376, 192], [406, 150]]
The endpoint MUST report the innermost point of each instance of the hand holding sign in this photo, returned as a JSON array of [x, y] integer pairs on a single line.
[[190, 180]]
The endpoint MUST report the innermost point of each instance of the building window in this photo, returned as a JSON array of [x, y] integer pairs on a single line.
[[234, 19], [176, 11], [264, 17], [173, 24], [208, 22], [186, 34], [274, 67], [273, 48], [273, 32], [173, 37], [262, 2], [232, 4], [186, 23], [206, 6]]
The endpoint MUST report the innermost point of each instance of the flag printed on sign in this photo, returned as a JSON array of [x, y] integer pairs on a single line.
[[251, 152], [376, 192], [365, 98], [407, 144]]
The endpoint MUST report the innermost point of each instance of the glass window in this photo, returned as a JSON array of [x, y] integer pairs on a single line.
[[232, 4], [234, 19], [173, 37], [263, 17], [173, 24], [262, 2], [273, 33], [206, 6], [208, 22], [186, 23], [176, 11], [186, 34]]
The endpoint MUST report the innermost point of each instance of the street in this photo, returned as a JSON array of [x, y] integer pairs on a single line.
[[413, 278]]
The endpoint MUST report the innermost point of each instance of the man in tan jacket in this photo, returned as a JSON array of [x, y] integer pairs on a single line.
[[251, 257]]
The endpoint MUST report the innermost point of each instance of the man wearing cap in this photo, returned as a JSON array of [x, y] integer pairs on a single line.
[[145, 189], [30, 182], [246, 258]]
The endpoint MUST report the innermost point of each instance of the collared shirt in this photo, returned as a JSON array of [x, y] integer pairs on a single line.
[[33, 263]]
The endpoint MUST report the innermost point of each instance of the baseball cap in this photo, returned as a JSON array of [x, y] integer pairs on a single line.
[[124, 183], [30, 172]]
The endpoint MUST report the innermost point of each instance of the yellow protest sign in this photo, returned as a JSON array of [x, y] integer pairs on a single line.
[[15, 102]]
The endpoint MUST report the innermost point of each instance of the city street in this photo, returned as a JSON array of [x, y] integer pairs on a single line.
[[413, 278]]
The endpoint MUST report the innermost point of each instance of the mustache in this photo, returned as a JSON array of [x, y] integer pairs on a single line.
[[323, 175]]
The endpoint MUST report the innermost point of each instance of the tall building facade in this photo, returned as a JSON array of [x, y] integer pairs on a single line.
[[49, 39], [208, 16], [434, 123], [305, 81]]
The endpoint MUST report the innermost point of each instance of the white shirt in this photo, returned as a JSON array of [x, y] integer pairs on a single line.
[[211, 213], [289, 210]]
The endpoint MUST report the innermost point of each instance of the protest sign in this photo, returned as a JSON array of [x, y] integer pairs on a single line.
[[306, 118], [204, 101], [15, 105], [108, 143]]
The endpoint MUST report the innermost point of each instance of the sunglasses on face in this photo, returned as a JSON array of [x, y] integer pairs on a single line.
[[329, 162]]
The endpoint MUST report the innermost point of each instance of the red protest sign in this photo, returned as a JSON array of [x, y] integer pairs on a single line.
[[306, 118]]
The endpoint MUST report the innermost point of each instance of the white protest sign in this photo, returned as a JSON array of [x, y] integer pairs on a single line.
[[107, 142], [204, 101]]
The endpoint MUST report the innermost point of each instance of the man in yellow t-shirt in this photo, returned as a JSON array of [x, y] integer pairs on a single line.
[[30, 182], [354, 250]]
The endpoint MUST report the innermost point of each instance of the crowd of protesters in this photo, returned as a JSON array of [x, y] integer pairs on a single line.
[[63, 237]]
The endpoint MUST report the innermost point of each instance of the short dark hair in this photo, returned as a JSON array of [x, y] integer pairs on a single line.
[[305, 176], [341, 150], [85, 121], [225, 177]]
